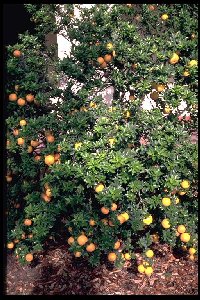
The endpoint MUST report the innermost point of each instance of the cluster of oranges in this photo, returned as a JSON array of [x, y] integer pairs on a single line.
[[103, 61], [81, 241]]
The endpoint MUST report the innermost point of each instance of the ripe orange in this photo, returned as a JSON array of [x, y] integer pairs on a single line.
[[164, 17], [48, 192], [70, 240], [21, 102], [22, 123], [151, 7], [160, 87], [114, 206], [16, 241], [77, 254], [112, 256], [165, 223], [27, 222], [100, 60], [15, 132], [104, 221], [49, 160], [117, 245], [23, 236], [12, 97], [92, 222], [20, 141], [166, 201], [185, 237], [30, 236], [148, 271], [30, 98], [30, 149], [8, 178], [191, 257], [17, 53], [99, 188], [181, 229], [50, 138], [125, 216], [154, 95], [104, 210], [57, 156], [149, 253], [91, 247], [103, 65], [34, 143], [37, 157], [127, 256], [10, 245], [29, 257], [141, 269], [45, 197], [192, 251], [121, 219], [108, 58], [82, 240]]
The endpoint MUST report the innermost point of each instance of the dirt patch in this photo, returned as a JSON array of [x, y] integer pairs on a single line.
[[57, 272]]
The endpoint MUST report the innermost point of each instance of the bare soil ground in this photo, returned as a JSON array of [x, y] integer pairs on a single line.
[[57, 272]]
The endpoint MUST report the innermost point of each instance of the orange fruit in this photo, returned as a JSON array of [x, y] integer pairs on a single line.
[[181, 229], [70, 229], [10, 245], [91, 247], [111, 223], [30, 236], [114, 206], [160, 87], [92, 222], [50, 138], [117, 245], [154, 95], [23, 236], [148, 271], [164, 17], [191, 257], [30, 98], [131, 97], [149, 253], [165, 223], [45, 197], [103, 65], [8, 178], [82, 240], [112, 256], [34, 143], [109, 46], [77, 254], [17, 205], [166, 201], [192, 251], [27, 222], [185, 237], [37, 157], [57, 156], [121, 219], [48, 192], [29, 257], [22, 123], [177, 233], [125, 216], [151, 7], [16, 241], [15, 132], [100, 60], [17, 53], [21, 102], [108, 58], [104, 210], [49, 160], [20, 141], [30, 149], [70, 240], [12, 97], [141, 269], [127, 256], [104, 221], [99, 188]]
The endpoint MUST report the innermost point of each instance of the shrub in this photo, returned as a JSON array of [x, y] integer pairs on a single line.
[[112, 174]]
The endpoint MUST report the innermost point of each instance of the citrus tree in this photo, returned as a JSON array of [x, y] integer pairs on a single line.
[[120, 178]]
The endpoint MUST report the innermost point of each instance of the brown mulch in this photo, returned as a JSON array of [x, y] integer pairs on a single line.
[[57, 272]]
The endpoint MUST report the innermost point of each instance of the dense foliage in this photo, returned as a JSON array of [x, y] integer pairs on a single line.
[[120, 177]]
